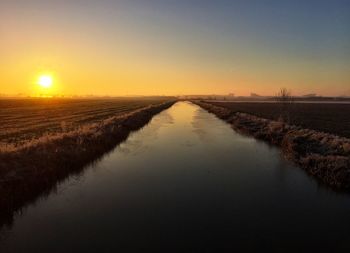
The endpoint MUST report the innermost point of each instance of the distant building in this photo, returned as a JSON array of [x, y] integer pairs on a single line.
[[254, 95], [310, 95]]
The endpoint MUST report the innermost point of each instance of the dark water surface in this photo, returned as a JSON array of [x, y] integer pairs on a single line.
[[186, 183]]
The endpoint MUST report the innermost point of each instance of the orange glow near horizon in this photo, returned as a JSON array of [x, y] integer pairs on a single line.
[[131, 50]]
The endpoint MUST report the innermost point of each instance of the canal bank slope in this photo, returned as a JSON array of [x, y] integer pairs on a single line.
[[35, 168], [325, 156]]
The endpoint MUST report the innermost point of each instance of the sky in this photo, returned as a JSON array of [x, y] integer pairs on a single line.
[[168, 47]]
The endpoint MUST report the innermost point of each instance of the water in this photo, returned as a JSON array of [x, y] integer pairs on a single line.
[[186, 183]]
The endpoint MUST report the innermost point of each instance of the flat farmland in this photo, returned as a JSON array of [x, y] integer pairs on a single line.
[[25, 119], [332, 118]]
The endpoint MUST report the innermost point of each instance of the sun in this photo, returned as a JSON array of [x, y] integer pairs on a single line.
[[45, 81]]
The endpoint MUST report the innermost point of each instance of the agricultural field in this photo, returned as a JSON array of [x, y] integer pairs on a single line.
[[25, 119], [324, 117]]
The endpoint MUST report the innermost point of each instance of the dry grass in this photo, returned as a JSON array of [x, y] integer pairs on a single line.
[[323, 155]]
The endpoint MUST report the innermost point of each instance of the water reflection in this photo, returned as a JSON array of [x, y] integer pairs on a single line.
[[186, 183]]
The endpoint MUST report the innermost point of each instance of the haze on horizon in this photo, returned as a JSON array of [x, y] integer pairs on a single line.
[[168, 47]]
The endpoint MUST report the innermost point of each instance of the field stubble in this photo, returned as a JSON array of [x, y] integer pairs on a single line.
[[322, 117], [27, 119]]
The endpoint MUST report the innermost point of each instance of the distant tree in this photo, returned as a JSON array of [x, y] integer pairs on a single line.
[[285, 100]]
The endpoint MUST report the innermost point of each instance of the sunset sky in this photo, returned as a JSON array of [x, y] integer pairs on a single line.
[[174, 47]]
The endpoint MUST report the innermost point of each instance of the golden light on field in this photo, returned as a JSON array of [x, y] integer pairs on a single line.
[[45, 81]]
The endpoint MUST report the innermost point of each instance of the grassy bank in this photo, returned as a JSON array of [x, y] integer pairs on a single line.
[[30, 169], [323, 155]]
